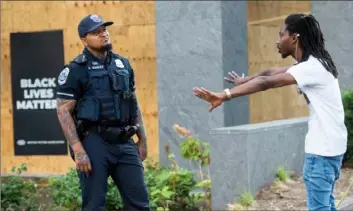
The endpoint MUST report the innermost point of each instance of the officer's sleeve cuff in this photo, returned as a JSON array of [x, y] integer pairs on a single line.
[[65, 95]]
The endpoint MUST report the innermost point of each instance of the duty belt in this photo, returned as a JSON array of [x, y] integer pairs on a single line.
[[115, 135]]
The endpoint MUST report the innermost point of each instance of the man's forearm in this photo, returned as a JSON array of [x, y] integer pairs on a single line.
[[64, 109], [253, 86], [259, 84], [267, 72], [263, 73], [141, 132], [276, 70]]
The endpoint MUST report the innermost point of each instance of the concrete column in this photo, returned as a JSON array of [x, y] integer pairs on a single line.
[[198, 42], [336, 21]]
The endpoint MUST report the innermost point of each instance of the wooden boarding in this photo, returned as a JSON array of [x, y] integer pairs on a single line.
[[261, 10], [133, 36], [264, 21]]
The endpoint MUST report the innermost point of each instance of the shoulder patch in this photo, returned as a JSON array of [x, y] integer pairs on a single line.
[[63, 76], [119, 63]]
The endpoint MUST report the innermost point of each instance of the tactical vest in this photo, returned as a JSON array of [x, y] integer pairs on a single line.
[[107, 96]]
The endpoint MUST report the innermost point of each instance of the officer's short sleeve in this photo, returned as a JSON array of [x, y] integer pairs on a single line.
[[132, 81], [69, 83], [132, 75]]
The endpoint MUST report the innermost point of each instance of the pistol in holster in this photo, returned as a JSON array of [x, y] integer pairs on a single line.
[[118, 134]]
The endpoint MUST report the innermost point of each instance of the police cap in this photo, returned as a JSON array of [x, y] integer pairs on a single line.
[[90, 23]]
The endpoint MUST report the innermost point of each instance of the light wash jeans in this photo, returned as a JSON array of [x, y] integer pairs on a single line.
[[320, 175]]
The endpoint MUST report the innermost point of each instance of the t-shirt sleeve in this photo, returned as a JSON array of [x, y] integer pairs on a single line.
[[304, 75], [69, 84]]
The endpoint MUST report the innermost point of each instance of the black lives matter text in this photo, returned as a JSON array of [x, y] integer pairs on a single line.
[[38, 94]]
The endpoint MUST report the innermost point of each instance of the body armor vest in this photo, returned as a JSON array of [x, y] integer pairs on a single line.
[[107, 96]]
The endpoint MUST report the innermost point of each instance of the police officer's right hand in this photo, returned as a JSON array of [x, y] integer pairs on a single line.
[[83, 162]]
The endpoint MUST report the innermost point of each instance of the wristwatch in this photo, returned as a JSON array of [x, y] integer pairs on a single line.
[[229, 96]]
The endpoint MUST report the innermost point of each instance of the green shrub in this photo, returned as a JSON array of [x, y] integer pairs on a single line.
[[282, 174], [348, 108], [170, 187], [66, 192], [18, 193]]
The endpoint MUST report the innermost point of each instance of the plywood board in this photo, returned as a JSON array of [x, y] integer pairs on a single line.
[[265, 18], [280, 103], [260, 10], [133, 36]]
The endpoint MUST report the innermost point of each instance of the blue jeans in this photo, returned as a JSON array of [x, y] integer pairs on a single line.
[[320, 175]]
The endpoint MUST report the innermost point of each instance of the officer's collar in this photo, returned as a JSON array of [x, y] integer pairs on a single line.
[[90, 56]]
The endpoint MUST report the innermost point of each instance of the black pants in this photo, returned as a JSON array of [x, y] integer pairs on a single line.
[[123, 164]]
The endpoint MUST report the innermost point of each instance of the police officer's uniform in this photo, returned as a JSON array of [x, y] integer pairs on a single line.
[[104, 108]]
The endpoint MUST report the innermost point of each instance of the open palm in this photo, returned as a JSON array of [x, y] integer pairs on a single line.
[[215, 99], [235, 79]]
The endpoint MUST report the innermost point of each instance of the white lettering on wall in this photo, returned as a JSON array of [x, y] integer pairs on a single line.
[[38, 94]]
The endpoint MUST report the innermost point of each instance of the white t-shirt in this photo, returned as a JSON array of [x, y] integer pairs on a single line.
[[327, 133]]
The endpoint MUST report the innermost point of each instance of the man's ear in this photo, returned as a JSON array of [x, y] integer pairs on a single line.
[[296, 38], [84, 41]]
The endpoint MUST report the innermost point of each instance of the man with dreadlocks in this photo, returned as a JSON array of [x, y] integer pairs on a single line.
[[316, 76]]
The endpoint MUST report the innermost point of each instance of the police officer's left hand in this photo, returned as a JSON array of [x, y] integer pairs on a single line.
[[142, 153]]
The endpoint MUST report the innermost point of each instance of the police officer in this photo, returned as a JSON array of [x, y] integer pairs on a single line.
[[99, 113]]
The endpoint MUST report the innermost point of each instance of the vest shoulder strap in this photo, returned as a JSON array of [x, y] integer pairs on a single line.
[[80, 59]]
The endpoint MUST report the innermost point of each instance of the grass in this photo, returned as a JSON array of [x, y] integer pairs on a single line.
[[282, 174], [245, 200]]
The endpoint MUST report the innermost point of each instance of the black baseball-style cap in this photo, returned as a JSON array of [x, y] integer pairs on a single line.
[[90, 23]]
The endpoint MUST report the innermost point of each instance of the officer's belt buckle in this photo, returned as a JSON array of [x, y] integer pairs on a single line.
[[114, 130]]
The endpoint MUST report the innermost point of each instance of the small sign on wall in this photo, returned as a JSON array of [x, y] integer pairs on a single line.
[[36, 60]]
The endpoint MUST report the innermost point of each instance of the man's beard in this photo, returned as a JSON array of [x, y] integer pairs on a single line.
[[284, 56], [104, 48], [107, 47]]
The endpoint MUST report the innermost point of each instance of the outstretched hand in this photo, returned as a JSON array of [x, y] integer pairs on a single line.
[[235, 78], [215, 99]]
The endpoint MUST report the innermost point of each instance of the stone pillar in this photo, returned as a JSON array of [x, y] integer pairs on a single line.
[[198, 42], [336, 21]]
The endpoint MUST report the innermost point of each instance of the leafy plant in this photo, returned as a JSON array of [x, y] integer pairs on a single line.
[[66, 192], [348, 109], [246, 199], [18, 193], [282, 174], [195, 150], [169, 187], [114, 201]]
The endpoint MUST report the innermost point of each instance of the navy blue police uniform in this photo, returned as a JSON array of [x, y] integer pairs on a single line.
[[104, 112]]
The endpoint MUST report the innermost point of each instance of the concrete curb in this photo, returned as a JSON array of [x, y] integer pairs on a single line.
[[347, 204]]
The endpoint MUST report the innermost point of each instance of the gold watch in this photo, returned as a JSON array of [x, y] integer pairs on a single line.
[[229, 96]]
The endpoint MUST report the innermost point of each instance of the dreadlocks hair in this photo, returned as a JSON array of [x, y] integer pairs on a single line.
[[311, 39]]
